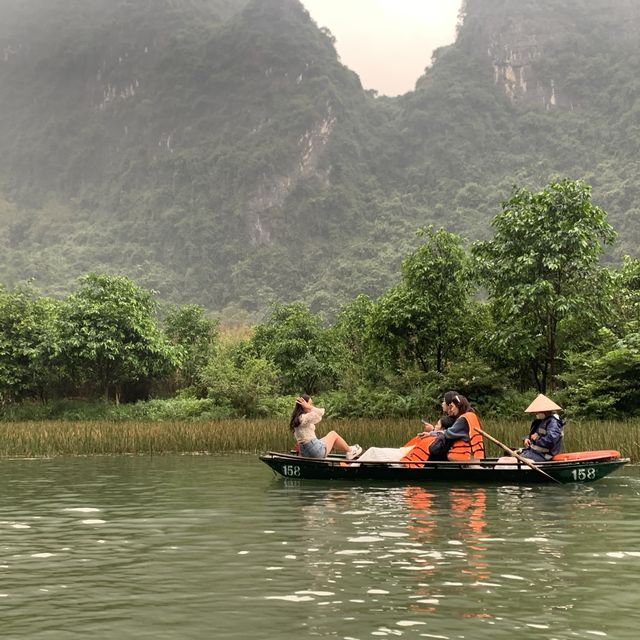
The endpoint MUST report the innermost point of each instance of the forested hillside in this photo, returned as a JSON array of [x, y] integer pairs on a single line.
[[219, 152]]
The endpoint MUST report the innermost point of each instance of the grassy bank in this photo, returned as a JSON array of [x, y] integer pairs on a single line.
[[55, 438]]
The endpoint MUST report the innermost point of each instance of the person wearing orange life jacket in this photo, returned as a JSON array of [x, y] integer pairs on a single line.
[[465, 442], [460, 441], [429, 444]]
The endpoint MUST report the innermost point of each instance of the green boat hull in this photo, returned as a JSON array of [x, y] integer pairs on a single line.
[[487, 471]]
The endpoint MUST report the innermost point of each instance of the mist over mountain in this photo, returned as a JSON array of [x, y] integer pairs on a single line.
[[219, 152]]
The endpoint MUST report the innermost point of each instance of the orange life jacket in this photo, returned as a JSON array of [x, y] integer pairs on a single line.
[[419, 453], [462, 449]]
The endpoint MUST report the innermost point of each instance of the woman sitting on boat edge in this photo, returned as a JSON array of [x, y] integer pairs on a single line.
[[303, 423]]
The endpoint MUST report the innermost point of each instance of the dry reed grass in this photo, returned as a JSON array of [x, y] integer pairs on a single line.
[[45, 439]]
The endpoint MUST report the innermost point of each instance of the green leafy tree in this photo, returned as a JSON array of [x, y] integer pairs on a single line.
[[603, 381], [626, 296], [358, 357], [110, 336], [29, 344], [195, 336], [237, 379], [295, 341], [542, 273], [426, 319]]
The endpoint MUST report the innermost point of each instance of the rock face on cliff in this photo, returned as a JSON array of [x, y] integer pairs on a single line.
[[219, 152], [514, 54], [522, 37]]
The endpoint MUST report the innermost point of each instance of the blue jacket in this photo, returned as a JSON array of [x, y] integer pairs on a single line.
[[550, 432]]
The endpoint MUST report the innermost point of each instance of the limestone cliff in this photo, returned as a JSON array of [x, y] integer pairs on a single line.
[[523, 39]]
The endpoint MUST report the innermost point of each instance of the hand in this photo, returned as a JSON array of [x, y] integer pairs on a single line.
[[534, 437], [428, 428], [307, 405], [527, 442]]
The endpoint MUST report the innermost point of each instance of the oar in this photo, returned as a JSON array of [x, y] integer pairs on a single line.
[[511, 452]]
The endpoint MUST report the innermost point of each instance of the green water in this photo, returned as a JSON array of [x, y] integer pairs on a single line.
[[217, 547]]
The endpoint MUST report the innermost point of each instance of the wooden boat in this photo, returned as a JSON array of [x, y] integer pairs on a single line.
[[568, 468]]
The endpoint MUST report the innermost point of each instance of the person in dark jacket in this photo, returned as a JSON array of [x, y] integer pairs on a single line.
[[547, 430], [459, 441]]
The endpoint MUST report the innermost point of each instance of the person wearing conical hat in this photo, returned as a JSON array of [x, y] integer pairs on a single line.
[[547, 430]]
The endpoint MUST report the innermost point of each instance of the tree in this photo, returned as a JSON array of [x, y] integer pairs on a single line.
[[626, 296], [110, 336], [29, 344], [542, 274], [294, 340], [238, 379], [357, 356], [603, 381], [195, 336], [426, 319]]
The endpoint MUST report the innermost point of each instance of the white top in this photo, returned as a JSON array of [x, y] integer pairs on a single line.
[[306, 429]]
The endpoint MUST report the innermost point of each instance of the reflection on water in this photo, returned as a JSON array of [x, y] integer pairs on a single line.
[[217, 547]]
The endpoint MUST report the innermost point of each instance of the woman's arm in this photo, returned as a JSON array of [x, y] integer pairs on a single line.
[[313, 416], [459, 429]]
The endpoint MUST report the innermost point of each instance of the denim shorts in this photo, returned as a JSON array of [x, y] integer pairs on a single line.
[[313, 449]]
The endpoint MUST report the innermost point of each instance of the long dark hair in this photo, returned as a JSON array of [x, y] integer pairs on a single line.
[[297, 412], [453, 397]]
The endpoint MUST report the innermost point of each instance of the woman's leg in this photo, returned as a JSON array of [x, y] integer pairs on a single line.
[[334, 439]]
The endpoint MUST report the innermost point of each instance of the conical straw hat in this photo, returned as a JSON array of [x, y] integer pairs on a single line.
[[542, 404]]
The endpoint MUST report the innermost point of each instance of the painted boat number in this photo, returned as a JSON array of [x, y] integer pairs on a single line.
[[291, 470], [584, 474]]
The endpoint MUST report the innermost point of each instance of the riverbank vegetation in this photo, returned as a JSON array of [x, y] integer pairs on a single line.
[[135, 437], [532, 310]]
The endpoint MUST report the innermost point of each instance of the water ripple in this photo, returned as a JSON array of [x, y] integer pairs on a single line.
[[178, 547]]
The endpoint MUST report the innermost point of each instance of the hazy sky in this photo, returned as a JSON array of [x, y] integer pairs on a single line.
[[388, 43]]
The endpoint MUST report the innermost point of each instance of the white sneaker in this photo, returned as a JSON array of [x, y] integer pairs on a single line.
[[354, 452]]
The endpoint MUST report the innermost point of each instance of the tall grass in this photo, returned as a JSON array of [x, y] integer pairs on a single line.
[[55, 438]]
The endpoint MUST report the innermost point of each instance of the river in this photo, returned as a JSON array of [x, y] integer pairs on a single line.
[[178, 547]]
